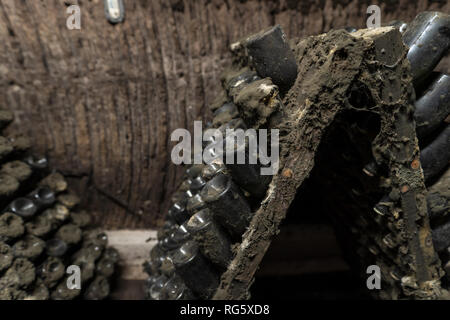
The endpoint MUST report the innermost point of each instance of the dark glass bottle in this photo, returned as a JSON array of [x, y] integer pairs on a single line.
[[428, 38], [194, 269], [228, 204], [212, 240]]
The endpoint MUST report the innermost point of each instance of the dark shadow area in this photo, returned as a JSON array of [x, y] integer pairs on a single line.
[[324, 261]]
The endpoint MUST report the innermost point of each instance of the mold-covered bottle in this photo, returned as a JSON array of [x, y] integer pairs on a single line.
[[428, 38], [228, 204], [195, 270], [212, 240]]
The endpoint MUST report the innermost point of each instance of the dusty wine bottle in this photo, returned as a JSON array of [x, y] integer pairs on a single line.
[[149, 282], [400, 25], [176, 289], [228, 204], [447, 270], [154, 292], [62, 291], [176, 238], [50, 271], [438, 197], [194, 269], [371, 169], [178, 213], [441, 237], [56, 247], [22, 273], [238, 81], [197, 184], [180, 235], [272, 57], [40, 292], [23, 207], [194, 171], [233, 124], [185, 185], [29, 247], [6, 117], [39, 226], [111, 254], [214, 168], [433, 107], [179, 197], [436, 156], [86, 263], [195, 204], [81, 218], [11, 226], [383, 206], [92, 251], [37, 163], [95, 236], [428, 38], [157, 261], [69, 233], [54, 181], [68, 200], [98, 289], [42, 197], [246, 173], [224, 114], [167, 267], [55, 216], [17, 169], [10, 185], [151, 267], [166, 230], [212, 240], [6, 256], [20, 144], [216, 147], [105, 267]]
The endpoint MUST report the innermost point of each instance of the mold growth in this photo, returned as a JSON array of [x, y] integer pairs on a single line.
[[361, 77]]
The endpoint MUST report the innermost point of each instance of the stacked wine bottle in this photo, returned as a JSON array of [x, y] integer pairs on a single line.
[[427, 43], [211, 210], [42, 232], [213, 206]]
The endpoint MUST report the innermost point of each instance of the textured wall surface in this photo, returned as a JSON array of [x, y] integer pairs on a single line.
[[101, 102]]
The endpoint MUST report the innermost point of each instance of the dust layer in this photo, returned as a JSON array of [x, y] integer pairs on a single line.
[[330, 66], [304, 113]]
